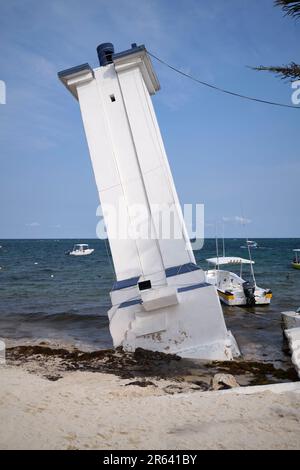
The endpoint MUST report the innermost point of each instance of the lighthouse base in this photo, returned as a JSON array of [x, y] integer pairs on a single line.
[[190, 323]]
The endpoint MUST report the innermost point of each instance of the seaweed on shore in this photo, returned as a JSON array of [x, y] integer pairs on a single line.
[[112, 361], [51, 362], [262, 373]]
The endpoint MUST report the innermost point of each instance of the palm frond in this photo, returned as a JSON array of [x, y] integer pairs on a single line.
[[290, 7], [290, 71]]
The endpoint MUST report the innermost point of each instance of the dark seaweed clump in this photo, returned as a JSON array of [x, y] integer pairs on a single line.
[[261, 373]]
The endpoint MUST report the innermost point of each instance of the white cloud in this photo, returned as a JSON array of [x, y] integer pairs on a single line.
[[237, 219], [33, 224], [242, 220]]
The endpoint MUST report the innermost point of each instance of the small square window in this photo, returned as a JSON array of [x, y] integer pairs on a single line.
[[112, 98], [144, 285]]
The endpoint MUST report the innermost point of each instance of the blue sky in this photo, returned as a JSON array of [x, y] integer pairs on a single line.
[[236, 157]]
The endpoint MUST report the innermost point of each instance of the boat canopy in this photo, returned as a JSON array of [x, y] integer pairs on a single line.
[[81, 244], [297, 250], [228, 260]]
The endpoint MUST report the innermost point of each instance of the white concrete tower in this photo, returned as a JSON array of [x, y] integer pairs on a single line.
[[160, 300]]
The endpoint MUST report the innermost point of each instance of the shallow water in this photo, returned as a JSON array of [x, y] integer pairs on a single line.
[[45, 294]]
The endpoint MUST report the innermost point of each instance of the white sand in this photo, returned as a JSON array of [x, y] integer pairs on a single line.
[[97, 411]]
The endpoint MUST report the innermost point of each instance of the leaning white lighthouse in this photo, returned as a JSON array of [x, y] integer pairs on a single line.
[[160, 300]]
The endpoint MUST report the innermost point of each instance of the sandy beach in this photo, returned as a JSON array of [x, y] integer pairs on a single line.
[[96, 410]]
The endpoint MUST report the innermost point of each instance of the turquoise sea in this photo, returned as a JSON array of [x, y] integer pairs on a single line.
[[47, 295]]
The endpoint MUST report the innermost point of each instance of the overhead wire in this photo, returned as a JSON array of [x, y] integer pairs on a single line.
[[222, 90]]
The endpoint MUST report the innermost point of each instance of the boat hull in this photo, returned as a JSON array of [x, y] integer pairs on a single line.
[[82, 253], [233, 299], [296, 265]]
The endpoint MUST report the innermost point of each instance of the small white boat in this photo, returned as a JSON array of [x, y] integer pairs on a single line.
[[296, 260], [233, 289], [81, 249], [250, 244]]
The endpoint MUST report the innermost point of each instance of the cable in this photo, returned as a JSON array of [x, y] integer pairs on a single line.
[[273, 103]]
